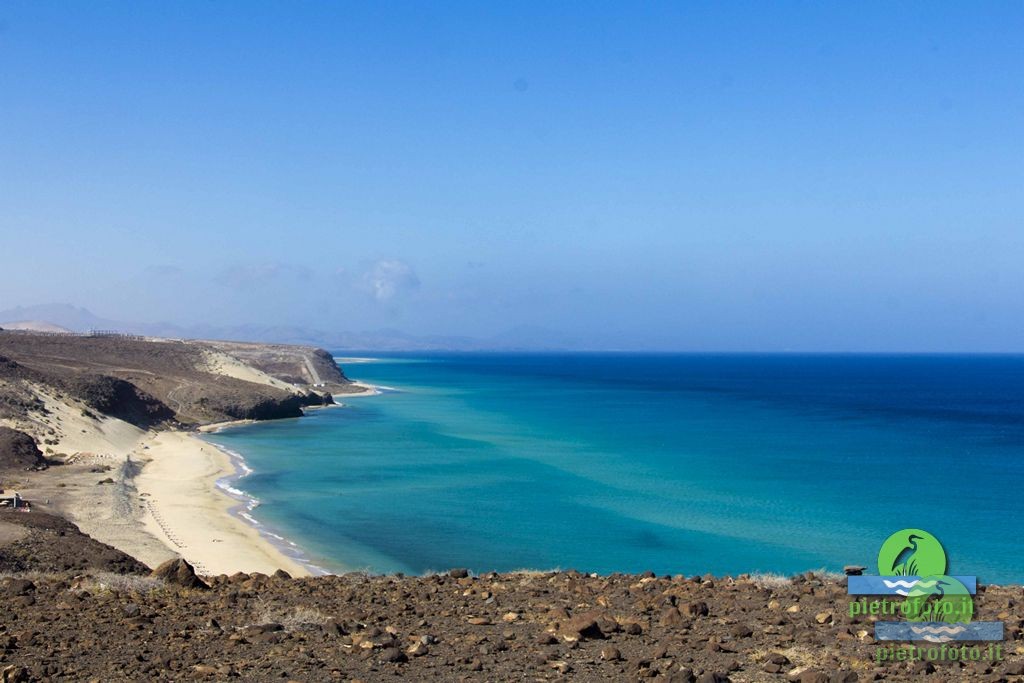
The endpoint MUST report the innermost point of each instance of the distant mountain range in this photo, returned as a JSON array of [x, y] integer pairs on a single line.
[[66, 317]]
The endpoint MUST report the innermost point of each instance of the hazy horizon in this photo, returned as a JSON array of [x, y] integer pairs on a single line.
[[657, 177]]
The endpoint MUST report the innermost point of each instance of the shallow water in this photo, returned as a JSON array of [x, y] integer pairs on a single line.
[[674, 463]]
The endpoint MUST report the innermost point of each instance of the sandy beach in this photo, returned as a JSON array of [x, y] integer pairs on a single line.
[[151, 494], [185, 510]]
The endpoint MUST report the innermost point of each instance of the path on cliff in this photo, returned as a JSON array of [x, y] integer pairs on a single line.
[[314, 375]]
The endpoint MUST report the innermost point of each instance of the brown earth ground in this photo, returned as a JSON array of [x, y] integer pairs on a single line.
[[78, 610]]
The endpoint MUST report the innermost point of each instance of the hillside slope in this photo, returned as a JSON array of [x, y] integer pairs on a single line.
[[154, 381]]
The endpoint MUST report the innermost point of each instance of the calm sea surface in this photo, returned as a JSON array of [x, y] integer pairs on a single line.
[[674, 463]]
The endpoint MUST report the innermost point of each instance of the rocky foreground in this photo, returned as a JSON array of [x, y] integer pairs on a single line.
[[99, 625]]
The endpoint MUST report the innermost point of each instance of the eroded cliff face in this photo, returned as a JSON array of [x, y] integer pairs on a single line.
[[258, 407], [117, 398], [153, 383], [323, 361], [300, 366]]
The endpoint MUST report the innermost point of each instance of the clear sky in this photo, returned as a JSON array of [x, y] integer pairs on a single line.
[[691, 175]]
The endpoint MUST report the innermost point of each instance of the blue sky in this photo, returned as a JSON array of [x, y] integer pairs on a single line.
[[694, 176]]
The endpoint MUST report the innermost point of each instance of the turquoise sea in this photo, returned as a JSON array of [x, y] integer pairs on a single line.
[[674, 463]]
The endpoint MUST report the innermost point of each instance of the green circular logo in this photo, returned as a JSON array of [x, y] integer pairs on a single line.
[[939, 598], [911, 552]]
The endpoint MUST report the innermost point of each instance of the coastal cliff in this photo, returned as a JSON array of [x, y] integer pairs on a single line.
[[160, 382], [112, 420]]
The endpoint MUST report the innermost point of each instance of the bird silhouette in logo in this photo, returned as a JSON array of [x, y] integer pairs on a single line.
[[905, 563]]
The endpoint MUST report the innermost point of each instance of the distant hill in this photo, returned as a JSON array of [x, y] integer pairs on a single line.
[[34, 326], [63, 316], [66, 317], [147, 382]]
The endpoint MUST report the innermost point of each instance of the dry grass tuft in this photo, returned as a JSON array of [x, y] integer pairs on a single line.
[[772, 581], [119, 583], [295, 619]]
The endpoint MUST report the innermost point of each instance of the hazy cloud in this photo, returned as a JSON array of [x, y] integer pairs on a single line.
[[387, 278]]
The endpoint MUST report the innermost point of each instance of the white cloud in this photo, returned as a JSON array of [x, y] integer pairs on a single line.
[[387, 278]]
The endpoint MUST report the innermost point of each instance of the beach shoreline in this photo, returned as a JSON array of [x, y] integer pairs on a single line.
[[270, 550], [187, 509], [170, 493], [244, 506]]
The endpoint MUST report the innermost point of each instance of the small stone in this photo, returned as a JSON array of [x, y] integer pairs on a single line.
[[180, 573], [611, 654], [672, 618], [458, 573], [18, 586], [696, 609], [582, 627], [392, 655], [684, 675], [713, 677], [561, 667], [853, 570], [741, 631], [823, 617], [807, 675]]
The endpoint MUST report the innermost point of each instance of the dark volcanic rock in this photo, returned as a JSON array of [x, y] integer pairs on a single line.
[[583, 626], [263, 403], [53, 544], [11, 369], [388, 628], [325, 366], [118, 398], [180, 573], [18, 450]]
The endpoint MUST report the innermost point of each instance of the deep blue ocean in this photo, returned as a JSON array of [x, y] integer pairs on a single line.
[[674, 463]]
